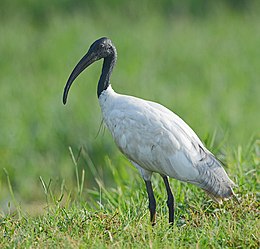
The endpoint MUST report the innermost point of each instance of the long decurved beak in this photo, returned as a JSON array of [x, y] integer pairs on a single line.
[[87, 60]]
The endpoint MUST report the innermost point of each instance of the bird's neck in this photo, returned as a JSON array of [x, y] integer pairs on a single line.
[[108, 65]]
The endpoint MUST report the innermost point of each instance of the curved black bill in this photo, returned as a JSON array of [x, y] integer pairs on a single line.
[[87, 60]]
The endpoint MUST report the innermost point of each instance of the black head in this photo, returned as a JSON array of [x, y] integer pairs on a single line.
[[101, 48]]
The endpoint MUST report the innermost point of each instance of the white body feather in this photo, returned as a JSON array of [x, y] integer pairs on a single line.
[[157, 140]]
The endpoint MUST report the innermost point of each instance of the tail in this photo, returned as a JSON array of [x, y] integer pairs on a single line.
[[214, 180], [218, 199]]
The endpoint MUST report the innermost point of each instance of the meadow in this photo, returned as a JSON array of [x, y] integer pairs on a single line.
[[63, 182]]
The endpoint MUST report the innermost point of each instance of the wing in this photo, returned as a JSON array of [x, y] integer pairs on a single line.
[[211, 175], [159, 141]]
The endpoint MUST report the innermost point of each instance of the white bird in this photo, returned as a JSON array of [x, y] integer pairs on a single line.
[[152, 137]]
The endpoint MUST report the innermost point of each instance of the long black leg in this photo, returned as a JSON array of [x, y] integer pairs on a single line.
[[170, 200], [152, 201]]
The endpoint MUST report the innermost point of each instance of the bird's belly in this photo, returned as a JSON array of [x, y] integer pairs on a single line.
[[150, 155]]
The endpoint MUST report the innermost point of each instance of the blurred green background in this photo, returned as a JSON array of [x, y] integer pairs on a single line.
[[199, 58]]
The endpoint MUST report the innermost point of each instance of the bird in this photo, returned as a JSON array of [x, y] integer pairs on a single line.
[[152, 137]]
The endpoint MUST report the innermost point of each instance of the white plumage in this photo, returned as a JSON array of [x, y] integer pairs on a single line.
[[157, 140], [153, 137]]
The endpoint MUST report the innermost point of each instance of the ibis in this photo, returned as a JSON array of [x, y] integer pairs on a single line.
[[152, 137]]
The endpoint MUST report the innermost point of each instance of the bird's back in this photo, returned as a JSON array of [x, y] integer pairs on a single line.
[[159, 141]]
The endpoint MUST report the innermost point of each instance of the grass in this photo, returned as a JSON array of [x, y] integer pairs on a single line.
[[120, 216], [203, 68]]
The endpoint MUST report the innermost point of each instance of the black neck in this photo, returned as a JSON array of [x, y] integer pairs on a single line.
[[108, 65]]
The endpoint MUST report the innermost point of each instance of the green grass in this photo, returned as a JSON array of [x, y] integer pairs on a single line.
[[118, 217], [204, 68]]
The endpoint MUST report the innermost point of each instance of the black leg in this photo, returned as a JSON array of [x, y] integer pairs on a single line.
[[152, 201], [170, 200]]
